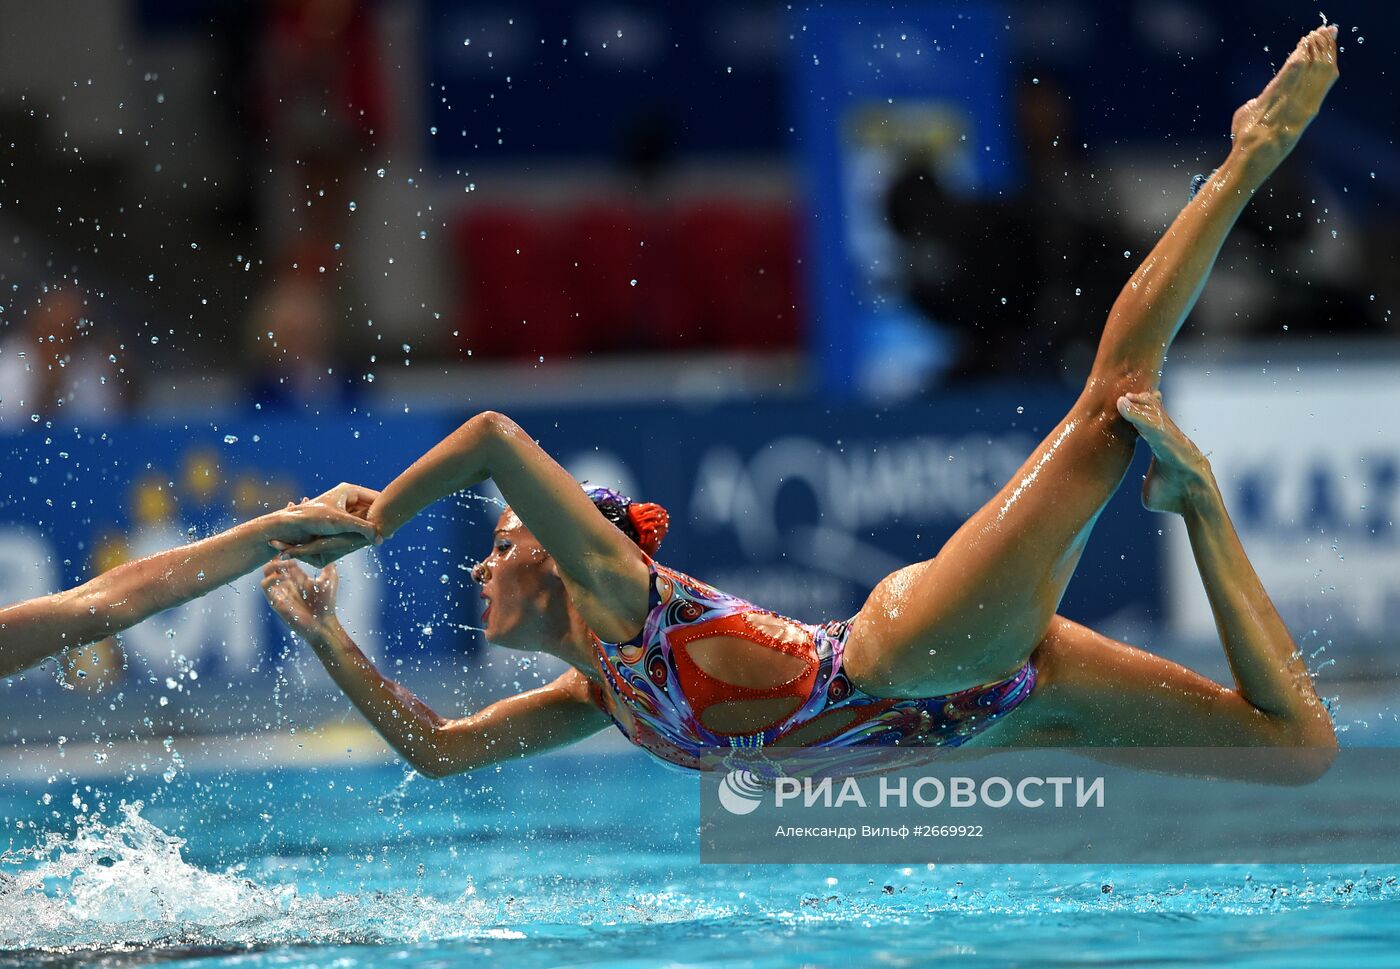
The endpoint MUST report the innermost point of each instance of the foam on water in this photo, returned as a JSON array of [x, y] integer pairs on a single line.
[[128, 884]]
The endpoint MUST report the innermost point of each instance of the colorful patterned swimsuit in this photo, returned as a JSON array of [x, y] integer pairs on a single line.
[[657, 695]]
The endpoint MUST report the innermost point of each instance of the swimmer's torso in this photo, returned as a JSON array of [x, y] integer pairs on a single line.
[[710, 673]]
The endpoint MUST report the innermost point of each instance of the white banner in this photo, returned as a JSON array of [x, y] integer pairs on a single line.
[[1308, 459]]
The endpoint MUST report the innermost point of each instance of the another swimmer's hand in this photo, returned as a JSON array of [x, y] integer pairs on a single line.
[[310, 521], [356, 499], [305, 603], [324, 548]]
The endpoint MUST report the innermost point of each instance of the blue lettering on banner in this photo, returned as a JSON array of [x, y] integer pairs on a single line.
[[1321, 497]]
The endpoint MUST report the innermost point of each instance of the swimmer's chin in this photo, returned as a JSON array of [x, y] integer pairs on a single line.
[[491, 640]]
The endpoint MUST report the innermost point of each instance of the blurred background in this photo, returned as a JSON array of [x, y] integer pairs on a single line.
[[815, 277]]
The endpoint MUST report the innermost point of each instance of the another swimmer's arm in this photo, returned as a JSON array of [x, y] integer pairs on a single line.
[[124, 596], [1267, 665], [529, 723]]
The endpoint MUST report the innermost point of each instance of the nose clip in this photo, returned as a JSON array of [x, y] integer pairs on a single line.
[[481, 572]]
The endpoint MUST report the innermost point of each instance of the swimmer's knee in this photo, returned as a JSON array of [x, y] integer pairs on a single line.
[[1298, 766], [1106, 385], [1312, 747]]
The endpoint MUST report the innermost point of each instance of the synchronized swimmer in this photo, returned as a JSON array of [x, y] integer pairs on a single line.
[[965, 648]]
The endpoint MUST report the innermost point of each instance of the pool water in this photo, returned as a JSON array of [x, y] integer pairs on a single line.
[[588, 860]]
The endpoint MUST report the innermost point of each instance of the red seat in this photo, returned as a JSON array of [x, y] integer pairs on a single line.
[[717, 274], [513, 291], [603, 247], [738, 270]]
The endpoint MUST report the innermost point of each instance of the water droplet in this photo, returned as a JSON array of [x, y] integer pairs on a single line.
[[1020, 409], [353, 206], [633, 283], [1126, 253], [230, 439], [380, 173]]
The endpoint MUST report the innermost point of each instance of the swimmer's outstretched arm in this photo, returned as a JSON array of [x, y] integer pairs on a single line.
[[606, 572], [518, 726], [1268, 667], [124, 596]]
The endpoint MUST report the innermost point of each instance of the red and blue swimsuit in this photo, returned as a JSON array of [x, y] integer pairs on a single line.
[[657, 695]]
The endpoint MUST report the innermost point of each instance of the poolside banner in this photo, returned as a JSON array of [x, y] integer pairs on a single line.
[[1308, 459], [1216, 805]]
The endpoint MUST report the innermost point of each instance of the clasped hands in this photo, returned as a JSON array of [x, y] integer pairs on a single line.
[[319, 551], [307, 603]]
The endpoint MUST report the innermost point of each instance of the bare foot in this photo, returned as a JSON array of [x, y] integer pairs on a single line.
[[1268, 126], [1179, 471]]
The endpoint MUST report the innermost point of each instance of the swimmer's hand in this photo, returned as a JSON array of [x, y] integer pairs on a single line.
[[1179, 478], [321, 550], [305, 603], [356, 499], [312, 521]]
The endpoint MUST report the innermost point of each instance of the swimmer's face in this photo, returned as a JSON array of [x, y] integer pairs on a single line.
[[525, 603]]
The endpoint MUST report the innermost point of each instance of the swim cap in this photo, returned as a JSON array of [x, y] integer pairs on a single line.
[[644, 522]]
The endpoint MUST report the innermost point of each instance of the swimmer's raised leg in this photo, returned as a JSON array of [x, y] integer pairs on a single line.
[[1095, 691], [974, 613]]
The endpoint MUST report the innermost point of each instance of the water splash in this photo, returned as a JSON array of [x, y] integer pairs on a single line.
[[128, 884]]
